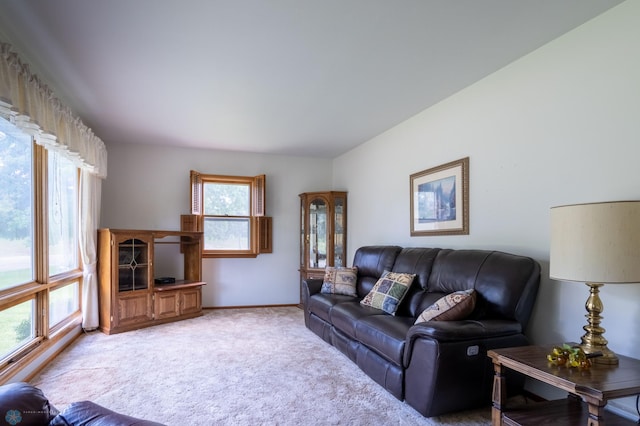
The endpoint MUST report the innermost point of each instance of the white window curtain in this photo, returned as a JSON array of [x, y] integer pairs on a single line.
[[29, 104], [90, 195]]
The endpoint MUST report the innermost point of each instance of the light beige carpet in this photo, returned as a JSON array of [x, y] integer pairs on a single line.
[[229, 367]]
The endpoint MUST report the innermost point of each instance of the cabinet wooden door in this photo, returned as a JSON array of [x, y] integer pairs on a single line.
[[191, 301], [167, 304], [133, 308]]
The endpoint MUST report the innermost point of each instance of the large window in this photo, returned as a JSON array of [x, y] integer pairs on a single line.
[[63, 301], [64, 257], [16, 207], [230, 211], [40, 274], [63, 214], [17, 327]]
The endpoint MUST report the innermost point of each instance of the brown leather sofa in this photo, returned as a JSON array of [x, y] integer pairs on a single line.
[[437, 367], [22, 404]]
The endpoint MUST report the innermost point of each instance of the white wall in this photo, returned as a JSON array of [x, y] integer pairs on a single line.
[[148, 188], [559, 126]]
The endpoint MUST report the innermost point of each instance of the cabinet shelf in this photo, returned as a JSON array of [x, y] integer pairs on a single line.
[[177, 285], [560, 412]]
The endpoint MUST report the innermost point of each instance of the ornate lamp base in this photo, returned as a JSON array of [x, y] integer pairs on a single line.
[[593, 340]]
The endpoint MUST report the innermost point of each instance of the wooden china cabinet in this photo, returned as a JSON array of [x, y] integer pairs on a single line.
[[132, 269], [323, 232]]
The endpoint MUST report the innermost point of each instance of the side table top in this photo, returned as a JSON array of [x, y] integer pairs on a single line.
[[600, 381]]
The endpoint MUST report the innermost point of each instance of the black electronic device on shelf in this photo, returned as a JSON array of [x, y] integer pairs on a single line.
[[165, 280]]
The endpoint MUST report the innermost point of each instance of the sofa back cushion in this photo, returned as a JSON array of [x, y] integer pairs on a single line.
[[506, 284], [371, 262], [418, 261]]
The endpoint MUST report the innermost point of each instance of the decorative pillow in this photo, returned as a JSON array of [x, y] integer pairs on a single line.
[[388, 292], [340, 280], [452, 307]]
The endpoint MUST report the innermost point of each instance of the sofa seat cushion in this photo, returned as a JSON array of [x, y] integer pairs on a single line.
[[321, 304], [384, 334], [344, 316]]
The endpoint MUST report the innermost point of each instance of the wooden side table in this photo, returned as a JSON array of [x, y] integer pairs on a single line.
[[589, 389]]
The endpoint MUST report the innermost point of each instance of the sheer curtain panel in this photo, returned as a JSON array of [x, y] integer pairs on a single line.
[[90, 195]]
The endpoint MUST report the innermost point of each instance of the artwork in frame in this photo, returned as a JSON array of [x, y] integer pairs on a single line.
[[440, 200]]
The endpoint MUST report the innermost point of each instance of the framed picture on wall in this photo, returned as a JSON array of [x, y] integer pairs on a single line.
[[440, 200]]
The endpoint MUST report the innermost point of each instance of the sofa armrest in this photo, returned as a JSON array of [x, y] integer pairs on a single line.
[[87, 413], [26, 404], [443, 376], [312, 286], [463, 330]]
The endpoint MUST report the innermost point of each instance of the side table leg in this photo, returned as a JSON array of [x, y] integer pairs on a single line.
[[596, 413], [499, 394]]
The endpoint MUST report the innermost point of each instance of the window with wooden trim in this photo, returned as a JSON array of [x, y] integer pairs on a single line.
[[230, 210], [40, 272]]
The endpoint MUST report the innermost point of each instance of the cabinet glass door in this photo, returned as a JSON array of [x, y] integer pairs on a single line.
[[133, 265], [317, 233]]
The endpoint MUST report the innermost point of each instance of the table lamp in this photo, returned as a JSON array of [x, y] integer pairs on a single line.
[[596, 243]]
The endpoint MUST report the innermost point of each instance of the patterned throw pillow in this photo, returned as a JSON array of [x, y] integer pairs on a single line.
[[340, 280], [388, 292], [452, 307]]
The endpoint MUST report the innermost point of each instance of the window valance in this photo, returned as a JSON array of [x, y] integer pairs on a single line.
[[29, 103]]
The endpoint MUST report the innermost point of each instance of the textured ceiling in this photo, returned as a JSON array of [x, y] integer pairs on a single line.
[[295, 77]]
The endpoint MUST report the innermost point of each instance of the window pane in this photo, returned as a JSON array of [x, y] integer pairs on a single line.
[[226, 199], [16, 207], [226, 234], [16, 327], [63, 302], [63, 216]]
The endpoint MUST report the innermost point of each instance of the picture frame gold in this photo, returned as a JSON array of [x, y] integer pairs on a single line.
[[440, 200]]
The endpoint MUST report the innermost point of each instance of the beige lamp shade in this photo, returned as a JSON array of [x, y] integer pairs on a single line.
[[598, 242]]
